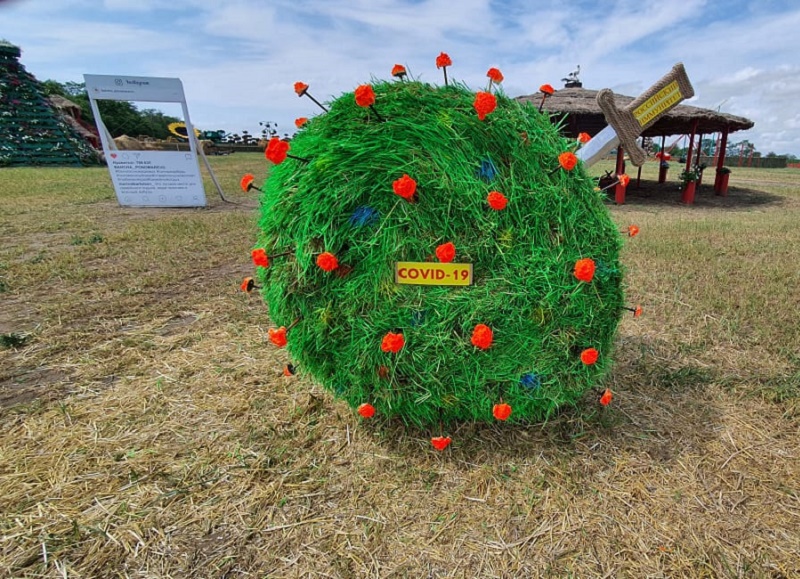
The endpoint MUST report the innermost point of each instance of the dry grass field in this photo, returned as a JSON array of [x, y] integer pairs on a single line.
[[146, 429]]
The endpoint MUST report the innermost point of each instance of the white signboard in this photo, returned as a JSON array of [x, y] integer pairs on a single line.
[[148, 178]]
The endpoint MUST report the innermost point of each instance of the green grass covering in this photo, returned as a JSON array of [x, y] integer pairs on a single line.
[[523, 257]]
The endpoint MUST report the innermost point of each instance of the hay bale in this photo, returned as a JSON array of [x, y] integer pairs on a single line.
[[126, 143]]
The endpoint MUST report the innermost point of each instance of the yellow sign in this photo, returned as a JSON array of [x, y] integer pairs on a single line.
[[659, 103], [416, 273]]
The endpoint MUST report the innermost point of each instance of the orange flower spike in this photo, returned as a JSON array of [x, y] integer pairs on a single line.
[[637, 311], [495, 75], [497, 200], [482, 337], [399, 71], [441, 442], [278, 337], [501, 411], [584, 269], [485, 103], [584, 138], [327, 261], [443, 61], [365, 96], [624, 180], [300, 122], [546, 91], [446, 252], [392, 342], [567, 160], [260, 258], [633, 231], [405, 187], [589, 356], [247, 183], [366, 410], [605, 399], [289, 370], [248, 285], [301, 89], [276, 150]]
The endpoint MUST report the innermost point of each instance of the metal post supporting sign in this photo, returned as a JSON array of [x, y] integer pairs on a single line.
[[148, 178]]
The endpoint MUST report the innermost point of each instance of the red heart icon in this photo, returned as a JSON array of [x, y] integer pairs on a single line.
[[113, 155], [441, 442]]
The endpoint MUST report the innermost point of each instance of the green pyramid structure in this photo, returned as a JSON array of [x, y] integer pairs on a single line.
[[32, 132]]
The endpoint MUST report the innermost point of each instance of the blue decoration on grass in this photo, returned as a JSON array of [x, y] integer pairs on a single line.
[[417, 317], [487, 171], [530, 381], [364, 216]]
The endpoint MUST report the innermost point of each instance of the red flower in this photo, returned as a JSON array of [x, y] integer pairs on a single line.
[[637, 311], [327, 261], [547, 89], [443, 60], [567, 160], [501, 411], [300, 88], [247, 284], [446, 252], [398, 71], [288, 370], [497, 200], [633, 231], [605, 399], [482, 336], [584, 138], [441, 442], [392, 342], [589, 356], [299, 122], [366, 410], [276, 150], [405, 186], [260, 257], [584, 269], [485, 103], [365, 96], [624, 180], [247, 182], [495, 75], [278, 337]]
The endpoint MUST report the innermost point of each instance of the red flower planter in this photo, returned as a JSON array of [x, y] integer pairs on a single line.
[[687, 196], [662, 174], [721, 186]]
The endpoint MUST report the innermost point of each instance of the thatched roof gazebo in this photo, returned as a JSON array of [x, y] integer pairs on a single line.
[[579, 112]]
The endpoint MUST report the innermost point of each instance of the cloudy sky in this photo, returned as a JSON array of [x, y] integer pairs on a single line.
[[238, 59]]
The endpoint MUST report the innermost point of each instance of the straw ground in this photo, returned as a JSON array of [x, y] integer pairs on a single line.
[[147, 430]]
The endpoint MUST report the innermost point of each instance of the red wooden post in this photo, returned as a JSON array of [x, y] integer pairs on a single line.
[[619, 190], [662, 170], [699, 160], [718, 188]]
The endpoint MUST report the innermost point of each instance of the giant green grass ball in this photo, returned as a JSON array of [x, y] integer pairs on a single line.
[[341, 201]]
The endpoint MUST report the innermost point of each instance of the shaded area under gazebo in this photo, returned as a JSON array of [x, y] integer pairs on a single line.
[[577, 110]]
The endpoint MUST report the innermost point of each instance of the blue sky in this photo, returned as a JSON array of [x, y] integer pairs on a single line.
[[238, 59]]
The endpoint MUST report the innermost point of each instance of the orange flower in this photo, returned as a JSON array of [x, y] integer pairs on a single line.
[[589, 356], [568, 160], [547, 89], [299, 122], [300, 88], [482, 336], [584, 269], [495, 75], [366, 410], [260, 257], [276, 150], [247, 182], [278, 337], [288, 370], [441, 442], [501, 411], [633, 231], [605, 399], [443, 60], [584, 138], [624, 180], [365, 96], [327, 261], [446, 252], [248, 284], [485, 103], [392, 342], [405, 186], [497, 200], [398, 71], [637, 312]]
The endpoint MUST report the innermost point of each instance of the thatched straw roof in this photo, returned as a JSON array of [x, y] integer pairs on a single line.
[[579, 105]]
